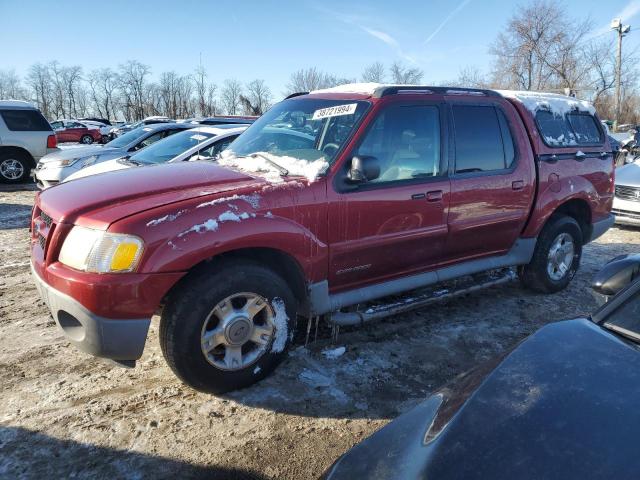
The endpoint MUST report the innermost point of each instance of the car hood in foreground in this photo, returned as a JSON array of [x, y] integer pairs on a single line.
[[564, 404], [628, 175], [101, 167], [99, 200]]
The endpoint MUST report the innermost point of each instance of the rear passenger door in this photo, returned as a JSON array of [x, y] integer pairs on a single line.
[[492, 178]]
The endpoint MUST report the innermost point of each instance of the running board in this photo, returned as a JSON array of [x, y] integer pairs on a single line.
[[421, 299]]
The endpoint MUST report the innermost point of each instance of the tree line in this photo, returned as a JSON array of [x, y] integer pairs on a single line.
[[542, 47]]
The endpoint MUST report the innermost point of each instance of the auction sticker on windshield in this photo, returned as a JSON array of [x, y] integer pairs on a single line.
[[199, 138], [335, 111]]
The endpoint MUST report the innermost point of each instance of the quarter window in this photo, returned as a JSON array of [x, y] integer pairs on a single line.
[[482, 139], [406, 142], [25, 121], [585, 128]]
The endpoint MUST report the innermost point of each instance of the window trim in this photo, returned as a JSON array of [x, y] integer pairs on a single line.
[[578, 145], [487, 173], [444, 151]]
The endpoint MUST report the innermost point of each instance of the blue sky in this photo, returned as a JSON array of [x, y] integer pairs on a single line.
[[268, 39]]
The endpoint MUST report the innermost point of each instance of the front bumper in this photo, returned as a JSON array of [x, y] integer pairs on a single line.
[[627, 212], [47, 177], [116, 339]]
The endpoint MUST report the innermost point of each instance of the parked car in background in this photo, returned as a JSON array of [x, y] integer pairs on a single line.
[[54, 168], [75, 131], [127, 127], [626, 202], [322, 206], [229, 119], [105, 130], [563, 404], [196, 144], [25, 137], [104, 121]]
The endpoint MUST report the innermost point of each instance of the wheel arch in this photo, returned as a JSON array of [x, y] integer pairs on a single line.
[[19, 151], [580, 211], [277, 260]]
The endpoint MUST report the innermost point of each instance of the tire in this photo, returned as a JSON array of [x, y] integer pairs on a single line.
[[196, 309], [86, 139], [14, 167], [549, 275]]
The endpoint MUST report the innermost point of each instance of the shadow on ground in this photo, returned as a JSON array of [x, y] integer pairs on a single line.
[[14, 215], [26, 454]]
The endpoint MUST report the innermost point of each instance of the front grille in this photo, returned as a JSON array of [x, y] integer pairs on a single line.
[[46, 219], [42, 229], [626, 213], [628, 193], [42, 241]]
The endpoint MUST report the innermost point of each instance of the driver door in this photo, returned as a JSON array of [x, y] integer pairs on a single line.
[[397, 223]]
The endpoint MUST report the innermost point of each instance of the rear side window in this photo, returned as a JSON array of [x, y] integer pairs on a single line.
[[482, 139], [568, 130], [25, 121], [585, 128]]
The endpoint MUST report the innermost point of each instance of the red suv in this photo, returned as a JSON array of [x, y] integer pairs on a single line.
[[74, 131], [328, 201]]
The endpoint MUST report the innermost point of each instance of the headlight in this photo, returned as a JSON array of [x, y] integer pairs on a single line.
[[64, 163], [101, 252], [89, 161]]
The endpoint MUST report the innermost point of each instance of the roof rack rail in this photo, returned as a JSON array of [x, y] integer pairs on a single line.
[[392, 90], [296, 94]]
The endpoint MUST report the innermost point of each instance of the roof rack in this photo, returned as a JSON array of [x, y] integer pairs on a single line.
[[296, 94], [392, 90]]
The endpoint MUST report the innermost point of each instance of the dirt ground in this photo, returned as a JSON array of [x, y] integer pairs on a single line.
[[66, 415]]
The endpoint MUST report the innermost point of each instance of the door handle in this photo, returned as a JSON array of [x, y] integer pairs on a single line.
[[517, 185], [434, 196], [418, 196]]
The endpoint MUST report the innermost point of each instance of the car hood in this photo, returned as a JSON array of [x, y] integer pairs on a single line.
[[628, 175], [102, 167], [99, 200], [563, 404], [79, 152]]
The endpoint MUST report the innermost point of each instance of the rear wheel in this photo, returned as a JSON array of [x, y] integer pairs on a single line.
[[556, 258], [227, 328], [14, 167], [86, 139]]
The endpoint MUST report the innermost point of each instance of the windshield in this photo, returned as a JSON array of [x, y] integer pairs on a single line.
[[127, 138], [171, 147], [302, 136]]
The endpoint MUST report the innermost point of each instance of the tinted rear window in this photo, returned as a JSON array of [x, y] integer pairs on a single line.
[[479, 139], [25, 121], [568, 130]]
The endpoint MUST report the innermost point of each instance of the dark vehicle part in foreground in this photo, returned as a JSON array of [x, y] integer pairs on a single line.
[[327, 202], [563, 404]]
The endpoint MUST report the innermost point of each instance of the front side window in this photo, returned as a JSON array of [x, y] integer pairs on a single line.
[[479, 143], [171, 147], [406, 142], [299, 136], [214, 149], [25, 121]]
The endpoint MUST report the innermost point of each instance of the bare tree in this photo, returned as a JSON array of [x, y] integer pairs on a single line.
[[11, 86], [134, 88], [230, 96], [306, 80], [374, 73], [402, 74], [39, 80], [103, 85], [258, 97]]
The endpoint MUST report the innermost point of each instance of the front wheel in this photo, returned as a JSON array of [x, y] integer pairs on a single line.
[[227, 328], [556, 257], [14, 168], [86, 139]]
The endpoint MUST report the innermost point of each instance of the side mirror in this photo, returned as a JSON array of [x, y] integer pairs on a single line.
[[363, 169], [616, 275]]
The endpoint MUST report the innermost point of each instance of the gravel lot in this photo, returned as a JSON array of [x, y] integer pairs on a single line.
[[64, 414]]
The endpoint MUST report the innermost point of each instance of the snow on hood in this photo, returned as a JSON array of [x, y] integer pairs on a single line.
[[75, 152], [559, 105], [628, 175], [257, 163]]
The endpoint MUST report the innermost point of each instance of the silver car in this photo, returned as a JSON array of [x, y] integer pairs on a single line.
[[54, 168], [626, 202], [25, 137]]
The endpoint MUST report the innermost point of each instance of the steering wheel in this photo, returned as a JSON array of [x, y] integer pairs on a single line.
[[332, 149]]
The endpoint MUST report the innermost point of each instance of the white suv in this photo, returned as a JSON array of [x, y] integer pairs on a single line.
[[25, 137]]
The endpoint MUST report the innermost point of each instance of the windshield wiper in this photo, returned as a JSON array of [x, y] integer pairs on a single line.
[[128, 160], [283, 171]]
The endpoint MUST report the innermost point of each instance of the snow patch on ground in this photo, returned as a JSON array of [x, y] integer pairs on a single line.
[[559, 105], [260, 164], [334, 353], [281, 321]]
